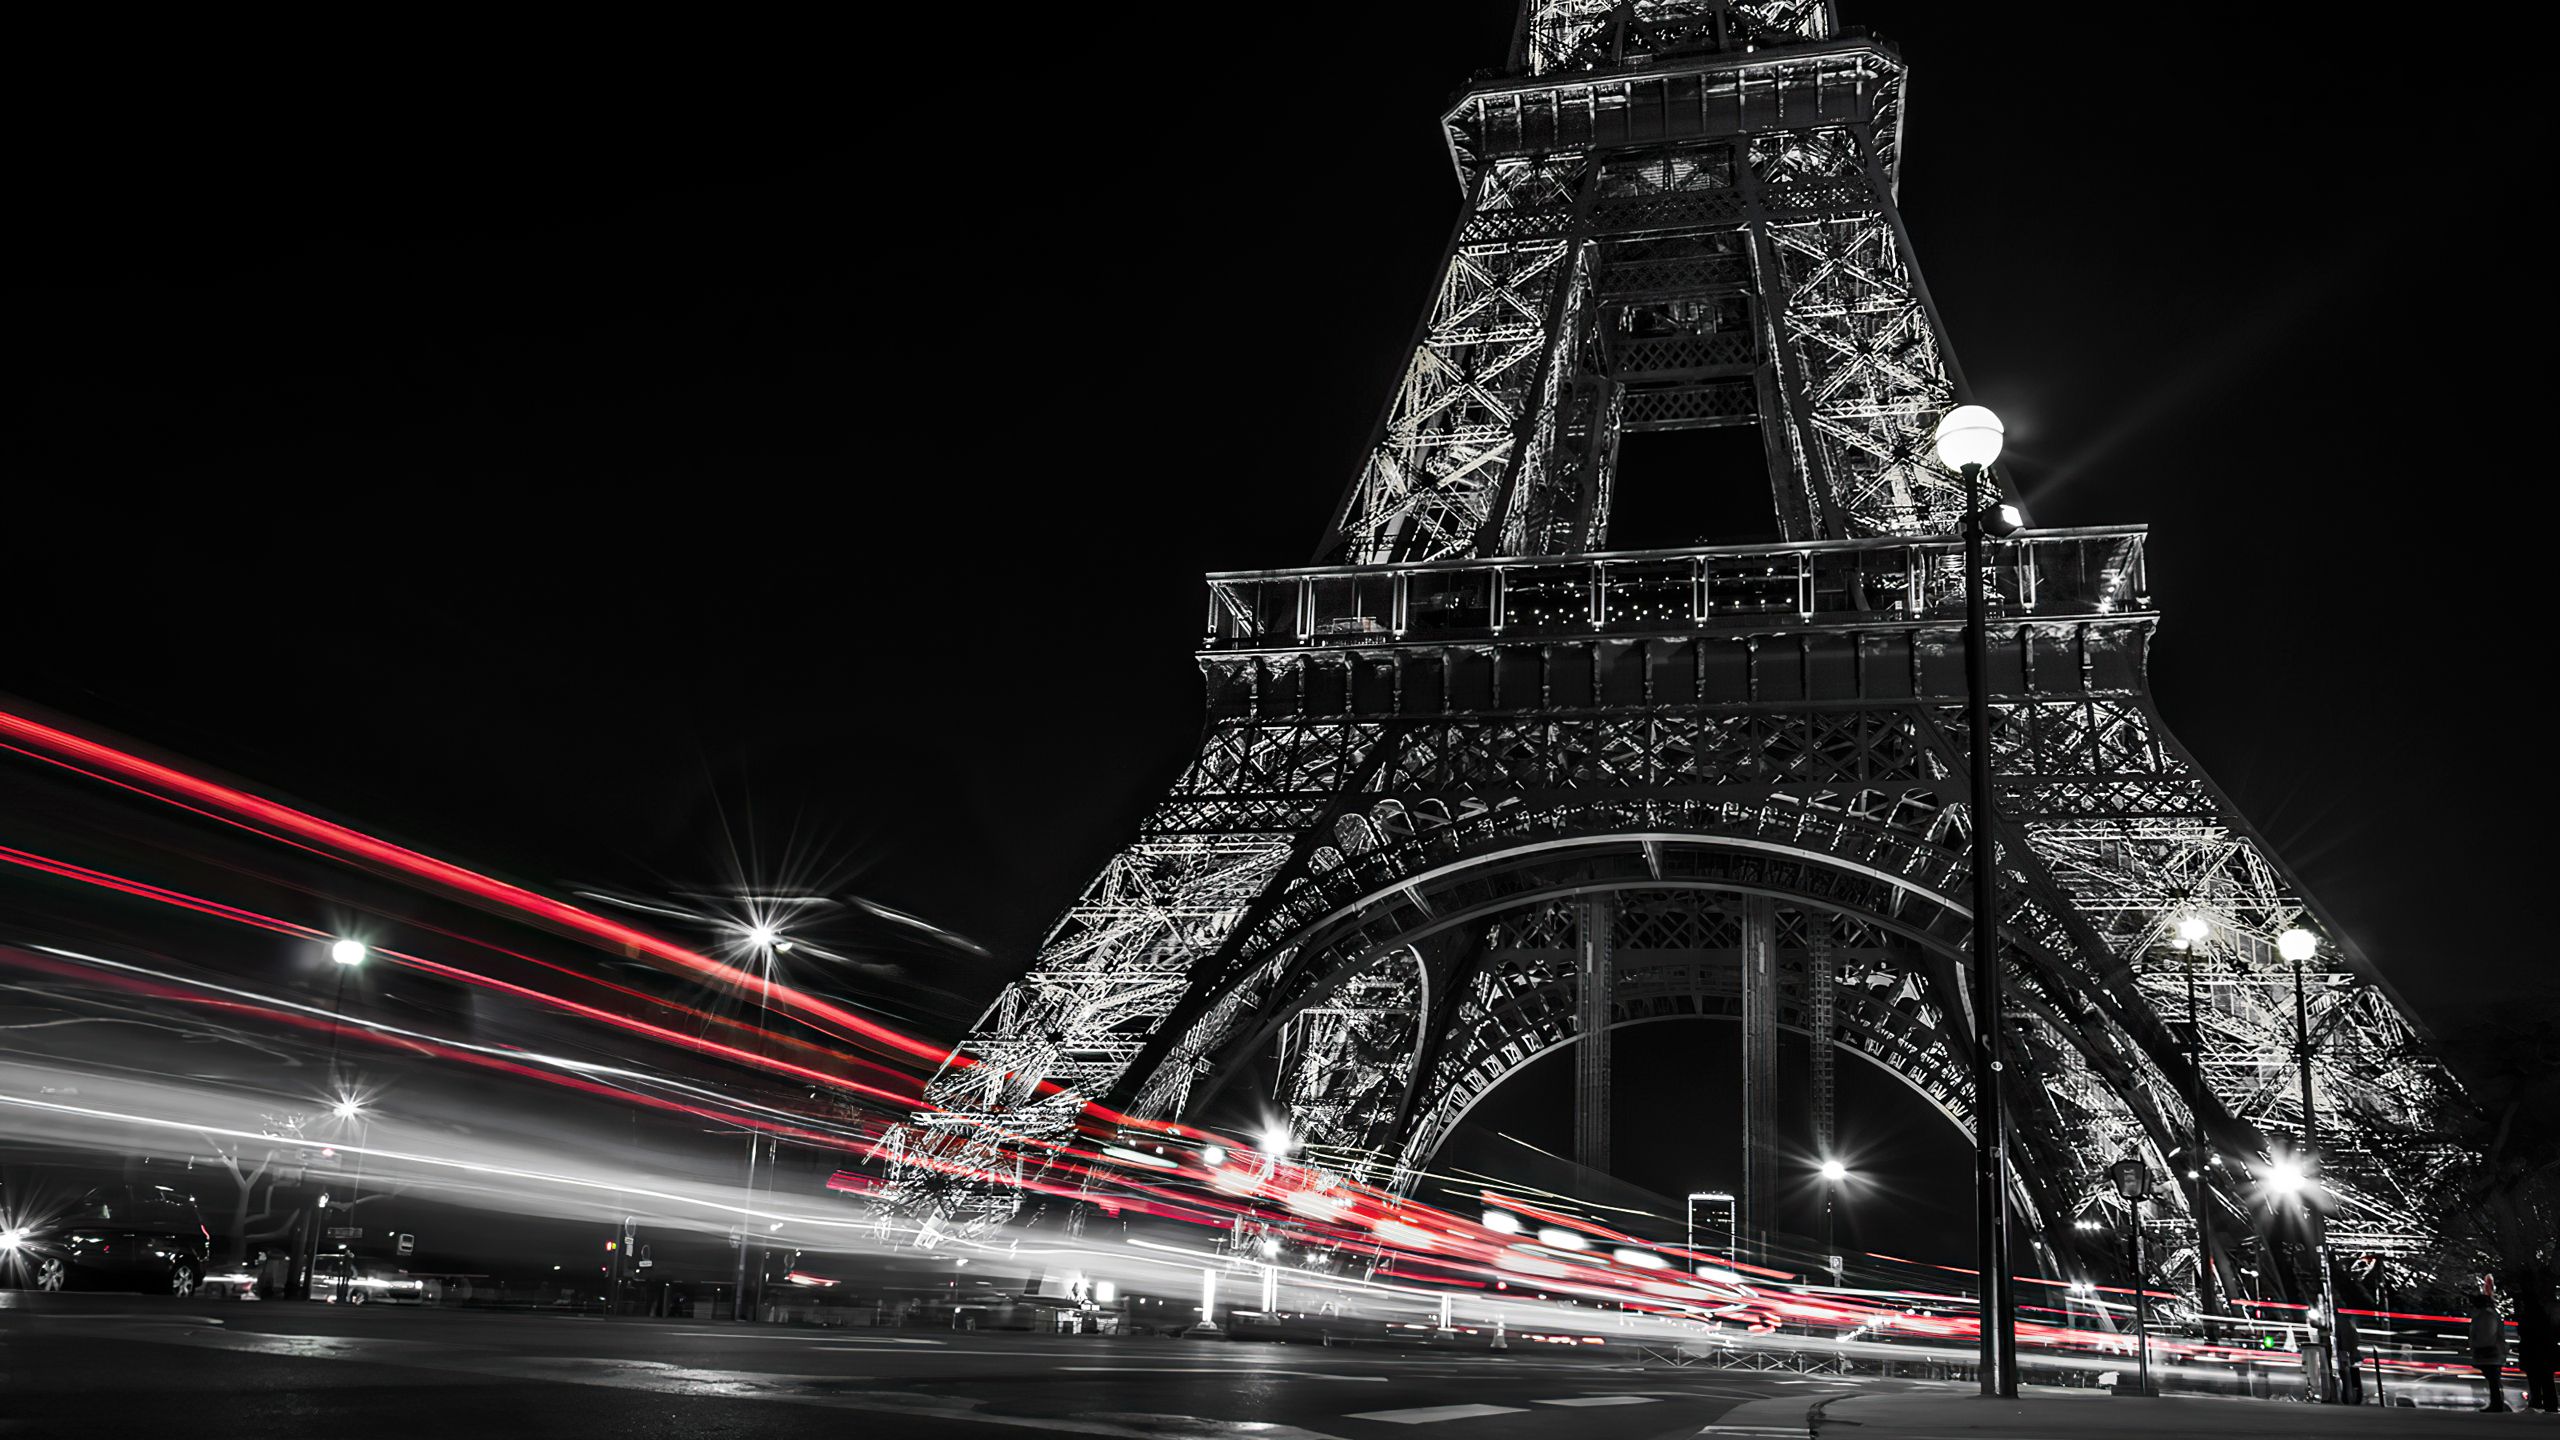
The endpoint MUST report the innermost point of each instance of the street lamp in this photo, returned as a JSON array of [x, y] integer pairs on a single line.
[[2133, 1185], [1833, 1173], [2285, 1177], [766, 943], [2293, 1177], [1968, 441], [2193, 931], [346, 955]]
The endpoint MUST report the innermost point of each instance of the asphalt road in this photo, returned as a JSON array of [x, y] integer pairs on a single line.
[[115, 1365]]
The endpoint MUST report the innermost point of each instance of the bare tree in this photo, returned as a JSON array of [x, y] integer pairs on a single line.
[[250, 1162]]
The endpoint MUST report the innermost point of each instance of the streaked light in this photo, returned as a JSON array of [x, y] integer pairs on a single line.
[[1276, 1139], [763, 937], [2286, 1177], [1314, 1204], [1213, 1155], [1396, 1232], [1562, 1239], [1127, 1156], [1641, 1259], [1502, 1222], [348, 952]]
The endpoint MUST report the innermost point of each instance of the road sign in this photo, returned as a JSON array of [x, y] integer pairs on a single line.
[[408, 1244]]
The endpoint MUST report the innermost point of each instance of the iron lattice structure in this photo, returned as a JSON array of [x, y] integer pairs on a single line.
[[1476, 787]]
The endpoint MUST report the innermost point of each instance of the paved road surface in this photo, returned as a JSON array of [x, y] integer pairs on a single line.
[[108, 1365]]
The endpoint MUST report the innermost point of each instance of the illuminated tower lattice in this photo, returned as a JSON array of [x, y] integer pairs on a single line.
[[1477, 786]]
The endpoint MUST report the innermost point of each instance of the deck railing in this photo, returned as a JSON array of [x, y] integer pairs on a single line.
[[2035, 573]]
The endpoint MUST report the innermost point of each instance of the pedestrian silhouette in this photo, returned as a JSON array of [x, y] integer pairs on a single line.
[[2537, 1346], [2489, 1351]]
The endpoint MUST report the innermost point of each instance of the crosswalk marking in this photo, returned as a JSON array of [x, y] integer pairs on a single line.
[[1433, 1414], [1598, 1400]]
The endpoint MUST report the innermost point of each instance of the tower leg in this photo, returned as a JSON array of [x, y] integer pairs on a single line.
[[1759, 1075], [1596, 918]]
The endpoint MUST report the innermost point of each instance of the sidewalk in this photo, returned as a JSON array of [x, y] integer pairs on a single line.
[[2093, 1415]]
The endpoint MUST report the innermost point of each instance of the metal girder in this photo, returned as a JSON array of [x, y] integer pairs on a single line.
[[1756, 1216], [1595, 989], [1665, 141], [1555, 36]]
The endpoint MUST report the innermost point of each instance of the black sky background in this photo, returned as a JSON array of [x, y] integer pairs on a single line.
[[591, 463]]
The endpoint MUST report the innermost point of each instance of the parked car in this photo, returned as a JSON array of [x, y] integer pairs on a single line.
[[123, 1237], [259, 1277], [994, 1309], [347, 1280]]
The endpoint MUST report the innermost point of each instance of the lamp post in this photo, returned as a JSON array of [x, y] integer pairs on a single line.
[[2298, 945], [350, 1110], [2133, 1182], [346, 955], [1968, 441], [764, 943], [1833, 1173]]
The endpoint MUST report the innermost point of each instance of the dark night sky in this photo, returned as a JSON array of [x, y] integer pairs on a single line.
[[585, 463]]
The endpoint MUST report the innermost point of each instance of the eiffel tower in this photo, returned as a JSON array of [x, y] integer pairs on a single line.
[[1476, 786]]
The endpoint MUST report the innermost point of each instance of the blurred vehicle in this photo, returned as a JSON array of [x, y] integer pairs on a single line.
[[348, 1280], [232, 1282], [994, 1309], [122, 1237], [1319, 1327], [262, 1276]]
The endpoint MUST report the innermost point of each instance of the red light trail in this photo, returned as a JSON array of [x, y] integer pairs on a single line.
[[1276, 1197], [267, 817]]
